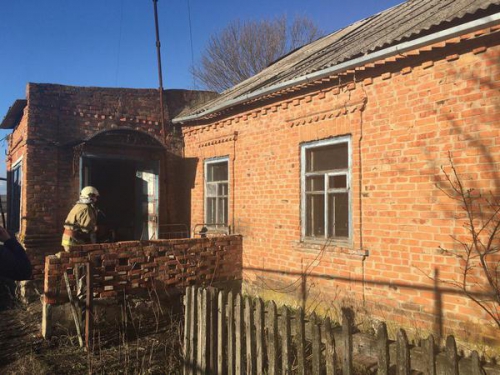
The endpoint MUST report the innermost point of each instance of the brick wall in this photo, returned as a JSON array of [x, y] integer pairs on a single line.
[[404, 116], [131, 267]]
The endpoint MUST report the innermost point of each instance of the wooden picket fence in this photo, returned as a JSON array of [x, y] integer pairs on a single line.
[[227, 334]]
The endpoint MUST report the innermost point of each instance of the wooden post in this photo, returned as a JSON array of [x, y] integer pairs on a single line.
[[250, 342], [331, 365], [347, 323], [430, 356], [382, 350], [316, 345], [286, 342], [230, 334], [259, 335], [89, 307], [300, 341], [402, 354], [187, 328], [451, 356], [272, 339], [238, 328], [221, 335], [74, 311]]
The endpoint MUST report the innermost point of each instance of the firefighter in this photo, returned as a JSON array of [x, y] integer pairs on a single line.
[[81, 224]]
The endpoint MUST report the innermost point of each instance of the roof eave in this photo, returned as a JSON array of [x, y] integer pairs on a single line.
[[350, 64], [14, 114]]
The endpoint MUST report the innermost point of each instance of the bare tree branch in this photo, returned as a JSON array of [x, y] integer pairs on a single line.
[[243, 49], [479, 252]]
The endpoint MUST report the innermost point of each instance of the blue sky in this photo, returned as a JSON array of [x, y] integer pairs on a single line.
[[111, 43]]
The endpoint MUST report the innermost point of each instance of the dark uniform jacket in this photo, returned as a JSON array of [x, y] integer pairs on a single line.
[[14, 263]]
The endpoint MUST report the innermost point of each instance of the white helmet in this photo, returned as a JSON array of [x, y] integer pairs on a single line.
[[89, 192]]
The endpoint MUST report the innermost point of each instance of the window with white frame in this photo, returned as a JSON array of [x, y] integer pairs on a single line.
[[216, 191], [14, 204], [325, 174]]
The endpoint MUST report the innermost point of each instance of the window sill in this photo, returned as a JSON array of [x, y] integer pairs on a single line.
[[340, 246]]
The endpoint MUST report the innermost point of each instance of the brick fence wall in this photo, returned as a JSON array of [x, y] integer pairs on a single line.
[[133, 266]]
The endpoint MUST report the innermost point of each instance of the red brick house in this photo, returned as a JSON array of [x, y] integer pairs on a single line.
[[327, 164], [67, 137]]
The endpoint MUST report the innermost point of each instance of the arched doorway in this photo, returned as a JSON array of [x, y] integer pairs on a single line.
[[124, 165]]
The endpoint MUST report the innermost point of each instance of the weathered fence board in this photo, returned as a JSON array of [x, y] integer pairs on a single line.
[[286, 342], [316, 345], [250, 341], [300, 341], [383, 361], [452, 356], [403, 354], [228, 335], [331, 368], [221, 334], [212, 321], [272, 346], [259, 335], [347, 324], [187, 330], [238, 330], [430, 354]]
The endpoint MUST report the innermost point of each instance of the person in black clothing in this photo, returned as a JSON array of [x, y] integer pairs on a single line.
[[14, 263]]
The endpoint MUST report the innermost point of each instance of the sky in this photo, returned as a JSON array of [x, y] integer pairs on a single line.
[[111, 43]]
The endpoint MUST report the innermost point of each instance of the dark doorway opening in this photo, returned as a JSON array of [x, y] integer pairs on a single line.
[[128, 201]]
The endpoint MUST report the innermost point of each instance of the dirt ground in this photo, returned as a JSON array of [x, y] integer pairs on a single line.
[[144, 341]]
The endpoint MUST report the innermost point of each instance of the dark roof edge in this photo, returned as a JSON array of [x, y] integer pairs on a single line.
[[14, 114], [350, 64]]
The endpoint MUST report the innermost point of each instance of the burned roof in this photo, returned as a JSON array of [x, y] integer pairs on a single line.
[[404, 22]]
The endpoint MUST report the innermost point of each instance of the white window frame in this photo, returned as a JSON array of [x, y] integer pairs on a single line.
[[208, 162], [303, 156]]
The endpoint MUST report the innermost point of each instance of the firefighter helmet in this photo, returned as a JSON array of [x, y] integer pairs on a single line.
[[89, 192]]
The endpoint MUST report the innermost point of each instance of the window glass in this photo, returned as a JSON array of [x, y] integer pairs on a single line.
[[326, 158], [316, 215], [337, 182], [222, 211], [222, 189], [315, 183], [211, 210], [217, 171], [326, 174], [338, 211], [211, 190], [216, 191]]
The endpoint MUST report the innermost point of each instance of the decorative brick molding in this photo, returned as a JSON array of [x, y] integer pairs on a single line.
[[221, 139], [134, 266], [336, 111]]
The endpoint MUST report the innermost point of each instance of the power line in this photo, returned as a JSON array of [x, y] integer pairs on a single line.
[[119, 45], [195, 86]]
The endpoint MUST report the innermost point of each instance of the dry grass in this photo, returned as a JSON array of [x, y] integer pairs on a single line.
[[145, 339]]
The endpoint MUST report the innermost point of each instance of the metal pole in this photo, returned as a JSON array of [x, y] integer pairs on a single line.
[[160, 78]]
